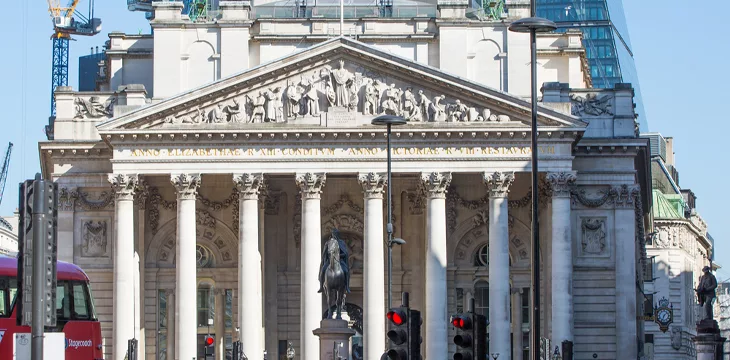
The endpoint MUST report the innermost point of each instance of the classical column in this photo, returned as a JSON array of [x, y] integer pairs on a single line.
[[141, 204], [220, 324], [310, 188], [170, 303], [186, 186], [124, 187], [498, 184], [435, 185], [562, 257], [374, 272], [517, 323], [250, 315]]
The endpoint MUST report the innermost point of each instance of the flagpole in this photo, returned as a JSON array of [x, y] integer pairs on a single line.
[[342, 17]]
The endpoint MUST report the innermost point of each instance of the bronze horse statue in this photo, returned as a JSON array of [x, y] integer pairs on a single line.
[[334, 274]]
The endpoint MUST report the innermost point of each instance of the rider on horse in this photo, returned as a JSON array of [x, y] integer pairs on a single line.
[[343, 261]]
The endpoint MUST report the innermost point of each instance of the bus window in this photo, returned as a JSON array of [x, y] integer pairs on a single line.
[[63, 301], [81, 310], [4, 302]]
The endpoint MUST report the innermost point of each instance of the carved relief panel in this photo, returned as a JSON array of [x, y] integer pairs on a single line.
[[93, 239], [593, 238]]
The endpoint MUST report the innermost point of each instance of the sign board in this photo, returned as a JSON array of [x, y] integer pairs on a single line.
[[54, 346]]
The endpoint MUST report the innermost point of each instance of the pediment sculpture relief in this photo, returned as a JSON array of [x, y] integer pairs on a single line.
[[355, 91]]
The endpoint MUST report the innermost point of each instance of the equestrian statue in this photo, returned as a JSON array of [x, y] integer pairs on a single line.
[[334, 273]]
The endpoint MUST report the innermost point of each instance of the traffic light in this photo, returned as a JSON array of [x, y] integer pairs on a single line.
[[209, 341], [471, 336], [404, 333], [398, 333]]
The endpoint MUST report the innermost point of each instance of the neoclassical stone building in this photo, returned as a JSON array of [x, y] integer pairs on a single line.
[[198, 184]]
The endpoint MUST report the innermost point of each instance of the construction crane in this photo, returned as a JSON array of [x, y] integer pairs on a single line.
[[4, 171], [67, 21]]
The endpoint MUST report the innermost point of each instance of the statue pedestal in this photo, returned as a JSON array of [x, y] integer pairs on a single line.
[[331, 332], [708, 342]]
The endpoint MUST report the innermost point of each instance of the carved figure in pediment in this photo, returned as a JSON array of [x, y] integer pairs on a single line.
[[370, 105], [391, 100], [311, 99], [411, 109], [424, 104], [437, 111], [342, 77], [591, 105], [485, 115], [274, 98], [331, 96], [258, 114], [472, 114], [236, 112], [457, 111], [292, 95], [217, 115], [354, 96]]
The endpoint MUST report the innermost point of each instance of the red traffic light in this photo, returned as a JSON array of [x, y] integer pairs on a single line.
[[461, 322], [209, 340], [397, 317]]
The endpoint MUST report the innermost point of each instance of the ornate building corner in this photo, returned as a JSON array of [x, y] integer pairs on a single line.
[[436, 184], [498, 183], [372, 184], [124, 185], [561, 183], [249, 185], [310, 184], [186, 185], [625, 196]]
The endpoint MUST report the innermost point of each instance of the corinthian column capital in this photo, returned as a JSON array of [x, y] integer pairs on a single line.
[[310, 184], [561, 183], [249, 185], [186, 185], [124, 185], [372, 184], [436, 183], [498, 183]]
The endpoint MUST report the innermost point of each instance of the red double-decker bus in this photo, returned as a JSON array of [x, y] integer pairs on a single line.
[[75, 313]]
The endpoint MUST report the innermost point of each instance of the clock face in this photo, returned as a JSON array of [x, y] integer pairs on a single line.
[[663, 316]]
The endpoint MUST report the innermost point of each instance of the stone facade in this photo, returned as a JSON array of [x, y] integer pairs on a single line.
[[227, 150]]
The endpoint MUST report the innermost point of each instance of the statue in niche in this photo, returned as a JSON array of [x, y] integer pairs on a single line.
[[236, 112], [706, 293], [437, 112], [95, 238], [311, 100], [341, 77], [391, 101], [258, 114], [354, 96], [293, 95], [457, 111], [217, 115], [370, 105], [424, 104]]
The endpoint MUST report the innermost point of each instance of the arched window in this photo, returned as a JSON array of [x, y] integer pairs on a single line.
[[204, 257], [481, 298], [481, 258]]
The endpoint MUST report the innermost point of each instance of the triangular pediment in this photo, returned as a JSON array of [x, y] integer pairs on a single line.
[[338, 83]]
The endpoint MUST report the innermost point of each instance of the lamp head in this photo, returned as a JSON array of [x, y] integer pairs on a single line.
[[539, 25], [398, 241], [388, 120]]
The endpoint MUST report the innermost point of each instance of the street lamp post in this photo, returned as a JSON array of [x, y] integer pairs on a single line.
[[389, 121], [534, 25]]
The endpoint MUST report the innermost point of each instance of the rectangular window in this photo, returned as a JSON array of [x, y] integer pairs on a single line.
[[4, 299], [649, 307], [162, 324], [204, 307], [649, 273], [459, 300], [481, 300], [526, 305], [229, 308]]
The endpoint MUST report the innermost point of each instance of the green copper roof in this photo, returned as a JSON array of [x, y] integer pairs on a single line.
[[667, 206]]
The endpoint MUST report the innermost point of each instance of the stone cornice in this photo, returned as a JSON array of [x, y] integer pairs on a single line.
[[686, 222]]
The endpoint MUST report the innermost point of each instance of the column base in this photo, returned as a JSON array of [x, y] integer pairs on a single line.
[[708, 342], [333, 331]]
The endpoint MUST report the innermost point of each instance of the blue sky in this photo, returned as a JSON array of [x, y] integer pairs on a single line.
[[681, 63]]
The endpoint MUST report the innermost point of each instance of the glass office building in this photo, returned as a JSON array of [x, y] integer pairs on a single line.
[[606, 39]]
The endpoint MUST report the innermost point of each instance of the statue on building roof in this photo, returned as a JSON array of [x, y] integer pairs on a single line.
[[706, 293]]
